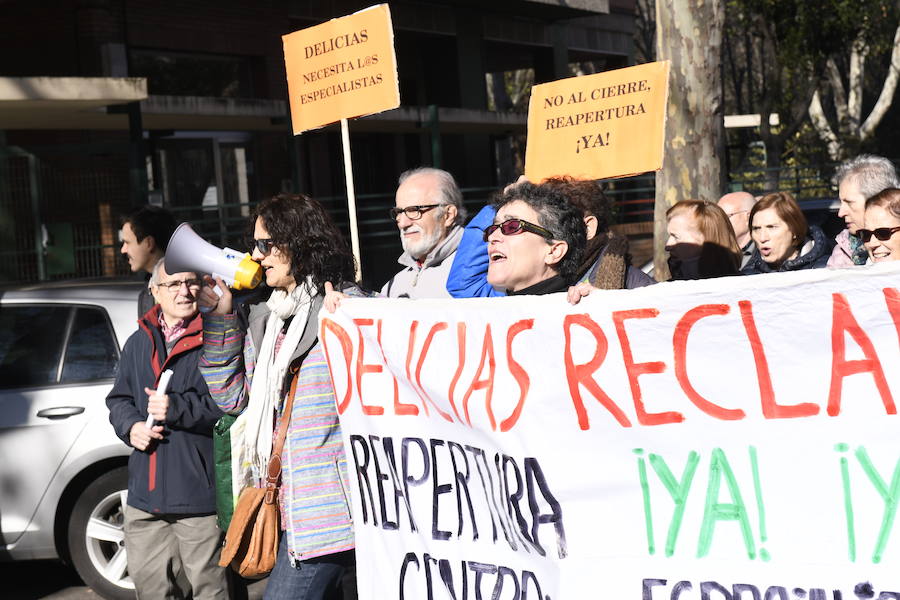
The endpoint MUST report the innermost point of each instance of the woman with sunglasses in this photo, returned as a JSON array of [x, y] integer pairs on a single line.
[[536, 242], [605, 263], [250, 362], [784, 241], [882, 224]]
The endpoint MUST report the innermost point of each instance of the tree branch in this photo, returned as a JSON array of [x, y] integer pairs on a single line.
[[839, 95], [887, 93], [820, 122], [858, 51]]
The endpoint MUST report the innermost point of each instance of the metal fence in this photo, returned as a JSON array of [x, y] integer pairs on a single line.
[[61, 223], [634, 197], [59, 220]]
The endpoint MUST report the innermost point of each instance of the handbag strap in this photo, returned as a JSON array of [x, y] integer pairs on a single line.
[[273, 474]]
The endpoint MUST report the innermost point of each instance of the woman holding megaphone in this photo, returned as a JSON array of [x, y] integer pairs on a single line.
[[259, 362]]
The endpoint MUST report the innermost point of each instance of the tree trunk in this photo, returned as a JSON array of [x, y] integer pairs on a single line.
[[689, 33]]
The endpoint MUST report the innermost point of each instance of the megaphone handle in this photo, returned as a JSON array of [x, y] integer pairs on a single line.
[[227, 280]]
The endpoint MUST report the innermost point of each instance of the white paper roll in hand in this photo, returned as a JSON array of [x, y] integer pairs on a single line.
[[161, 390]]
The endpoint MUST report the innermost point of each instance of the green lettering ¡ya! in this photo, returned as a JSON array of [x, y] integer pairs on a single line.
[[716, 511], [678, 490], [890, 499], [848, 502], [645, 493]]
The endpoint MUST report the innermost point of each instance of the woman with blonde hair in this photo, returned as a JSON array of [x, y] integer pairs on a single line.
[[784, 241], [701, 242]]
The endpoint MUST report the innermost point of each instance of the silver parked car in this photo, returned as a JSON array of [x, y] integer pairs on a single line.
[[63, 471]]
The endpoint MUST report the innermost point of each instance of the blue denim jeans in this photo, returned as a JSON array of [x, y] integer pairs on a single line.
[[329, 577]]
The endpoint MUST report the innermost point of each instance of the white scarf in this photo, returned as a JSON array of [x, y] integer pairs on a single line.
[[268, 376]]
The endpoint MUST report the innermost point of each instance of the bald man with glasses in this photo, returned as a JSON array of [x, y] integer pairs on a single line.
[[737, 205], [429, 213]]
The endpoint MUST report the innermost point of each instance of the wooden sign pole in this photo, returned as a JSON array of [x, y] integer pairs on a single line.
[[351, 197], [338, 70]]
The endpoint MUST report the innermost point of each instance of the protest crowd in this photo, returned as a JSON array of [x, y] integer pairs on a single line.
[[259, 355]]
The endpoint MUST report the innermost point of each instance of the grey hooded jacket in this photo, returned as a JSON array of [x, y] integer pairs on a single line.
[[428, 279]]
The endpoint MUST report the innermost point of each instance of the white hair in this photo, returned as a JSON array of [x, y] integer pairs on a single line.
[[448, 190], [154, 273], [871, 173]]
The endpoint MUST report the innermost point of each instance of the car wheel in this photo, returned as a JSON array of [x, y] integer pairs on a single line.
[[96, 536]]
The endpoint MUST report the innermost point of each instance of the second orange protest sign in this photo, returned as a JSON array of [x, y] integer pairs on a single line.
[[610, 124], [341, 69]]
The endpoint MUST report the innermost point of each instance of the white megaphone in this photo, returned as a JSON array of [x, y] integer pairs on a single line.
[[187, 251]]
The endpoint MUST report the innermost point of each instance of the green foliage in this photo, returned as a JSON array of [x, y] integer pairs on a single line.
[[804, 31], [793, 38], [774, 56]]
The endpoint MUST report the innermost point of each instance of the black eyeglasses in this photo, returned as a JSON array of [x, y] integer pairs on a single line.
[[882, 233], [263, 245], [413, 213], [515, 227], [175, 285]]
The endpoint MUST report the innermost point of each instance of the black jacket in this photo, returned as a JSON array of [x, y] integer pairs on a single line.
[[813, 258], [174, 475], [145, 301]]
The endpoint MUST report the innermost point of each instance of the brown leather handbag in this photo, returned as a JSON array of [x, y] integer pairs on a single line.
[[251, 542]]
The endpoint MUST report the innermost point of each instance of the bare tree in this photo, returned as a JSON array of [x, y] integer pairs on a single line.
[[850, 130], [645, 30], [689, 34], [774, 58]]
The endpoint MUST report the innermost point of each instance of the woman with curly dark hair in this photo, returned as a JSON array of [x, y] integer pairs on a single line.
[[536, 242], [251, 368]]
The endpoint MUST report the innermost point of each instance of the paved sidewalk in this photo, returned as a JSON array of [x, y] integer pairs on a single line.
[[53, 580]]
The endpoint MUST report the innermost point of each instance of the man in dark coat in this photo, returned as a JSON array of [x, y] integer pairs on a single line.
[[170, 521]]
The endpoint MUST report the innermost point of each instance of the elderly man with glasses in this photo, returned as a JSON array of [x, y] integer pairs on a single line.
[[169, 516], [429, 213]]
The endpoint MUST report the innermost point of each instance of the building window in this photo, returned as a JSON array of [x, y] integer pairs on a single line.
[[183, 74]]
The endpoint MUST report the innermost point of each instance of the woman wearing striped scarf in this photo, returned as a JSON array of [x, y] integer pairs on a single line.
[[250, 356]]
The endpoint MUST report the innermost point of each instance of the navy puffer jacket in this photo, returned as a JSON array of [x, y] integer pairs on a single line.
[[814, 256]]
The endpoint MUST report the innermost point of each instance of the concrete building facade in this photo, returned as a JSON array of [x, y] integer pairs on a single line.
[[183, 104]]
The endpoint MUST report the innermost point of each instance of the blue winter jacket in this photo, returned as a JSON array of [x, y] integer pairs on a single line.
[[468, 275]]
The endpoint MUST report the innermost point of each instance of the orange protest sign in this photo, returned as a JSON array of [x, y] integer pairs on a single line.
[[341, 69], [610, 124]]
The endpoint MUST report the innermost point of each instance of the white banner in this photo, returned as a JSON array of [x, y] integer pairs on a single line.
[[723, 439]]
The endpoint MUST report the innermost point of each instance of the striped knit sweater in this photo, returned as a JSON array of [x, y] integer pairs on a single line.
[[314, 492]]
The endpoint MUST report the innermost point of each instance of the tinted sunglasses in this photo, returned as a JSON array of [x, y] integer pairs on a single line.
[[263, 245], [882, 233], [515, 227]]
